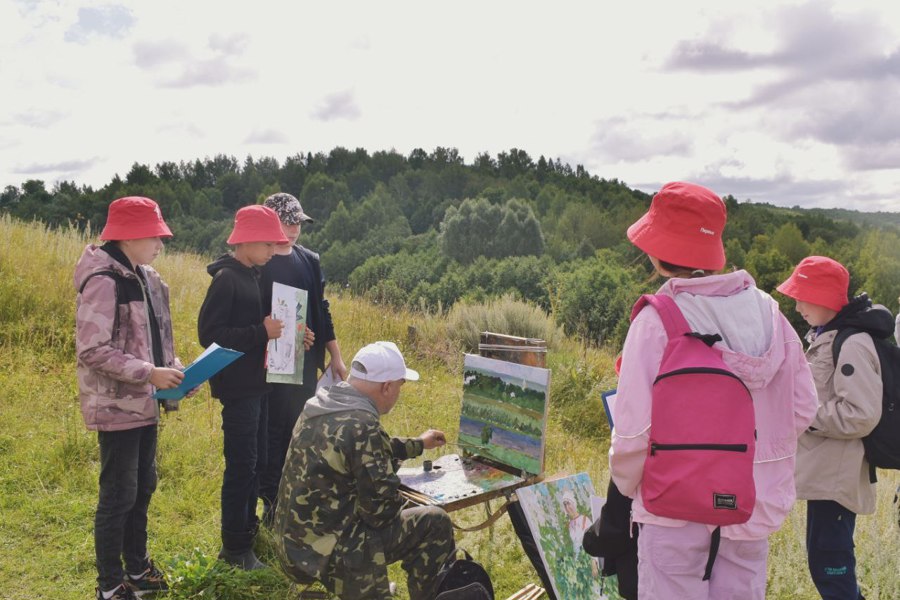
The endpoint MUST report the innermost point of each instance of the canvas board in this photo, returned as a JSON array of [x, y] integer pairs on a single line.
[[558, 512], [504, 412], [284, 356]]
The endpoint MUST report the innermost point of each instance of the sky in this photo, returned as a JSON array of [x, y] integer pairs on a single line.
[[790, 103]]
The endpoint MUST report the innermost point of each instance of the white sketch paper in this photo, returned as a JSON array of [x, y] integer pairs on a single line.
[[284, 359]]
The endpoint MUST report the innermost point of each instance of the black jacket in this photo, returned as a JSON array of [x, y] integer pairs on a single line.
[[232, 316]]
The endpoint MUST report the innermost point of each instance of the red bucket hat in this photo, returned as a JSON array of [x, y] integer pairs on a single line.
[[134, 218], [818, 280], [683, 227], [256, 224]]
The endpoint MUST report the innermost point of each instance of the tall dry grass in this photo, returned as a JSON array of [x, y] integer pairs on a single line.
[[49, 462]]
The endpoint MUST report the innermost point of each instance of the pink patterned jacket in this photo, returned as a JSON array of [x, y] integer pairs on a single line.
[[113, 346]]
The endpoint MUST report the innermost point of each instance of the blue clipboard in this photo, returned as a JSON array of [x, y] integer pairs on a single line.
[[214, 359], [609, 398]]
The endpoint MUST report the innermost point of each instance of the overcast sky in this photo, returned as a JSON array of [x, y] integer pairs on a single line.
[[792, 103]]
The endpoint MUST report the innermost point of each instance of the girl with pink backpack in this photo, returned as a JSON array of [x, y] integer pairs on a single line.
[[713, 393]]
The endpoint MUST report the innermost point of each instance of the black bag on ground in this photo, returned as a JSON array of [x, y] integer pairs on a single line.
[[463, 579], [613, 538]]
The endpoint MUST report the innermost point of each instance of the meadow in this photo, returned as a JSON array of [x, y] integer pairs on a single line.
[[49, 462]]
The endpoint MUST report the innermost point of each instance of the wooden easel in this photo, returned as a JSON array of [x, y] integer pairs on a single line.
[[508, 349]]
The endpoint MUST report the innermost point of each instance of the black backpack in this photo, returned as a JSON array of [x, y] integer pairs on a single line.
[[883, 443], [463, 579]]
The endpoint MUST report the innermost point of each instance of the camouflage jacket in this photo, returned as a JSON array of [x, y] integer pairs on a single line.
[[113, 345], [339, 481]]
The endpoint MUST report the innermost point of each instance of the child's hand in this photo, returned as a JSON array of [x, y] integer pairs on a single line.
[[165, 379], [273, 327], [308, 338]]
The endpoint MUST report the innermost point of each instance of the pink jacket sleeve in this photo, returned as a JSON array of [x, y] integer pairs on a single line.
[[806, 399], [641, 357]]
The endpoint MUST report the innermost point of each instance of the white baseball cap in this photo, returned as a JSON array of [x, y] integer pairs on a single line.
[[381, 361]]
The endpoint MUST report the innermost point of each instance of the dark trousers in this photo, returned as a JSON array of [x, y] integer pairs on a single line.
[[829, 549], [286, 402], [127, 481], [244, 428]]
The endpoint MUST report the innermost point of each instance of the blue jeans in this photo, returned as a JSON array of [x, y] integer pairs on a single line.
[[830, 550], [127, 481], [244, 428]]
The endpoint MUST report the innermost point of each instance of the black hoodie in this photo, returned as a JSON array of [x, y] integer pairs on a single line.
[[860, 313], [232, 316]]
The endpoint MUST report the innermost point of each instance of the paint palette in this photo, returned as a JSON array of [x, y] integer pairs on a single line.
[[455, 478]]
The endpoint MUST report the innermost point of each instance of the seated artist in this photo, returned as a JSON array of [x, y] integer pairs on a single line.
[[339, 516]]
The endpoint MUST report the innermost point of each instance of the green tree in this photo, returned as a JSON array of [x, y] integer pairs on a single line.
[[789, 240], [479, 228]]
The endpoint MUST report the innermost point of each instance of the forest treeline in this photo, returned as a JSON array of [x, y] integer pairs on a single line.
[[428, 230]]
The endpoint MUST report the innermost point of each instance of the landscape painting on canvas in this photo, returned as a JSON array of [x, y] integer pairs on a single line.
[[504, 410], [558, 512]]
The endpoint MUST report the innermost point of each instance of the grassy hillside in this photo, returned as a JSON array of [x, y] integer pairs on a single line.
[[49, 462]]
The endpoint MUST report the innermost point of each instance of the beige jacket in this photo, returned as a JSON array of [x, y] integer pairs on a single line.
[[830, 458]]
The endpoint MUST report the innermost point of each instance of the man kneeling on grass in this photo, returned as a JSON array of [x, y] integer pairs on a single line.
[[339, 516]]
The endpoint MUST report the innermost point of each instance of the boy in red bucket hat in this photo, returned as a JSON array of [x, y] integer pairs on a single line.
[[832, 472], [233, 315], [125, 352], [682, 236]]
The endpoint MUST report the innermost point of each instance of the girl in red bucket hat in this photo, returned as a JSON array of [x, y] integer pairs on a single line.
[[832, 472], [234, 315], [682, 236], [125, 352]]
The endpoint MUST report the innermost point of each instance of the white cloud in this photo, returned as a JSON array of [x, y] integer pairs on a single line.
[[777, 101]]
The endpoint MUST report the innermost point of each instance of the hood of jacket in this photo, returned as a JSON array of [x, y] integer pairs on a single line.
[[227, 261], [96, 258], [338, 398], [732, 306], [860, 313]]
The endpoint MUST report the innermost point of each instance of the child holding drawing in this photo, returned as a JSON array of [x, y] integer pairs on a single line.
[[233, 315], [125, 352], [682, 237], [298, 267]]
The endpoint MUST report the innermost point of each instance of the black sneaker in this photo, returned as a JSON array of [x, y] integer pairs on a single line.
[[152, 580], [123, 592]]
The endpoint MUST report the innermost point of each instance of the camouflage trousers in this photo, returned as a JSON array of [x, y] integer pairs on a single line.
[[422, 538]]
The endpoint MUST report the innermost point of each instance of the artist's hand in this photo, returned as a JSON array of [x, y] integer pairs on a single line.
[[273, 327], [433, 439], [308, 338], [165, 379], [193, 391]]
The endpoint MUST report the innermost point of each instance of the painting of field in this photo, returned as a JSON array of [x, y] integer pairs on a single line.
[[504, 410]]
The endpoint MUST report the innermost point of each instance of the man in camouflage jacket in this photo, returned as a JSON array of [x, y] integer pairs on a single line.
[[339, 517]]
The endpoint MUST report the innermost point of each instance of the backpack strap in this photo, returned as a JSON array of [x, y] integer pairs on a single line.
[[675, 323], [116, 277], [839, 340], [836, 346], [713, 552]]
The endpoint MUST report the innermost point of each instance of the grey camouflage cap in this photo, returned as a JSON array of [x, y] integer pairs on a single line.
[[287, 208]]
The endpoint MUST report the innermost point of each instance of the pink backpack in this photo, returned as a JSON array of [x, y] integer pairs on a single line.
[[702, 435]]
